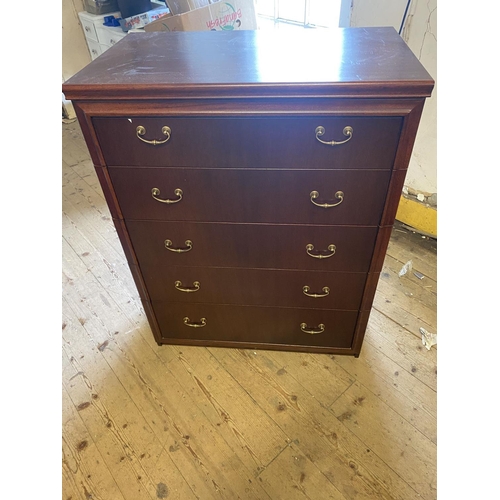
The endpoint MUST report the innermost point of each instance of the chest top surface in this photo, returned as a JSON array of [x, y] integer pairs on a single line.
[[347, 62]]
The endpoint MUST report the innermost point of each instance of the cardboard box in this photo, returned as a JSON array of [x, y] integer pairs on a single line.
[[98, 7], [223, 15], [141, 20], [180, 6]]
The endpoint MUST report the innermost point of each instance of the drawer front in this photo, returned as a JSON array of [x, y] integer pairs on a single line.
[[266, 325], [109, 36], [261, 142], [94, 48], [104, 47], [89, 29], [344, 248], [232, 195], [342, 291]]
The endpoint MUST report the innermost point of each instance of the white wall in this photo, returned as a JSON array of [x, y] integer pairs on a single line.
[[75, 53], [420, 33]]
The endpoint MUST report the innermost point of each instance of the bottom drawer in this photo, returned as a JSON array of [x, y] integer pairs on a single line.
[[259, 325]]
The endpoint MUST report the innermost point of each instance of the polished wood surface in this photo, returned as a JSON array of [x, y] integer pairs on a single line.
[[244, 150], [269, 196], [271, 142], [362, 62], [272, 107], [255, 325], [266, 287], [264, 246]]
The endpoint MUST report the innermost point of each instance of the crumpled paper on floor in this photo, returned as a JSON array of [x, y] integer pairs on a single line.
[[428, 339], [406, 268]]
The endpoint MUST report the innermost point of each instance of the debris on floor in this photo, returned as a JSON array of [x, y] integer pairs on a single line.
[[406, 268], [420, 276], [428, 339]]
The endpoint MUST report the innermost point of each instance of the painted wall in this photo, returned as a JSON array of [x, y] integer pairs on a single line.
[[420, 33], [75, 53]]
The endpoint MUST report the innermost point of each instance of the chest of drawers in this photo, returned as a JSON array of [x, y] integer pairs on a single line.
[[99, 38], [253, 178]]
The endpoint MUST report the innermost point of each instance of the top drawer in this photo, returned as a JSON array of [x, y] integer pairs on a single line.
[[252, 142]]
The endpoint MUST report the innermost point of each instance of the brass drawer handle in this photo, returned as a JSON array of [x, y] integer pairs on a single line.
[[339, 195], [142, 131], [195, 288], [331, 248], [188, 243], [201, 324], [156, 192], [325, 289], [321, 130], [312, 331]]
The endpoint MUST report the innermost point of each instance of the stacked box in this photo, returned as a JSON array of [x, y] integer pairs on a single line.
[[219, 16]]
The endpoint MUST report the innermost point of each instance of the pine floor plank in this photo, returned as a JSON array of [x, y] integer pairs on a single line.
[[210, 423], [120, 448], [409, 284], [404, 349], [85, 467], [80, 201], [294, 476], [385, 304], [405, 245], [395, 386], [343, 460], [259, 439], [324, 380], [406, 450], [109, 270]]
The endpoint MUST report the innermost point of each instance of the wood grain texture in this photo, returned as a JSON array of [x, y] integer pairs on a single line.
[[270, 196], [222, 285], [363, 62], [254, 142], [249, 325], [267, 145], [267, 246], [271, 406], [250, 106]]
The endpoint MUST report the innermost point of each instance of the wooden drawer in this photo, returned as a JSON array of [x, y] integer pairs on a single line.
[[255, 287], [260, 142], [266, 325], [232, 195], [252, 245]]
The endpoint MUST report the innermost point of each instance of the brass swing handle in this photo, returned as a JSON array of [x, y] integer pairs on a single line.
[[326, 291], [188, 243], [194, 288], [331, 249], [312, 331], [156, 192], [142, 131], [201, 324], [321, 131], [339, 195]]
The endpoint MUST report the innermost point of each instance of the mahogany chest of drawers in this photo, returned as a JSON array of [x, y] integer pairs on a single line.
[[254, 177]]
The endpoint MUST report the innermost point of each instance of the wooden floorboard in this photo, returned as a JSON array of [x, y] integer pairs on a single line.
[[147, 422]]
